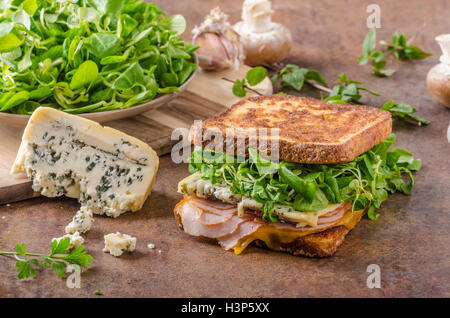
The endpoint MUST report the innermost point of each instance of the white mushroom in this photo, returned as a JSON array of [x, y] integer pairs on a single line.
[[265, 42]]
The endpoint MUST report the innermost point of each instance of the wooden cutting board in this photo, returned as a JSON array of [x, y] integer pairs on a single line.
[[207, 95]]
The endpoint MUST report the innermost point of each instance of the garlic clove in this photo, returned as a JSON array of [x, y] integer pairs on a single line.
[[220, 45], [216, 51]]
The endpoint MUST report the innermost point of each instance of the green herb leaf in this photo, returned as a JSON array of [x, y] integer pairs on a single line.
[[238, 88], [84, 75], [293, 76], [24, 270], [177, 23], [21, 249], [404, 51], [256, 75]]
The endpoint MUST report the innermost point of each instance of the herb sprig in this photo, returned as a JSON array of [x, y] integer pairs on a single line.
[[293, 76], [89, 55], [403, 49], [348, 91], [366, 180], [60, 256], [405, 111], [253, 77], [370, 54], [400, 47]]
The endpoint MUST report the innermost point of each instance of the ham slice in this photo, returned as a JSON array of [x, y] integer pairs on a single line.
[[219, 220], [200, 222], [245, 229]]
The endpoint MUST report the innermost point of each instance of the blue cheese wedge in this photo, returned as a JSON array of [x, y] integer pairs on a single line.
[[81, 222], [117, 243], [108, 171]]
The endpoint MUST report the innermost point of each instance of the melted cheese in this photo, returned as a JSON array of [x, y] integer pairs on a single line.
[[274, 237]]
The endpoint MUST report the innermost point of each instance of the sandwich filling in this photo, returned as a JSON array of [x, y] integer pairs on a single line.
[[300, 193], [214, 219]]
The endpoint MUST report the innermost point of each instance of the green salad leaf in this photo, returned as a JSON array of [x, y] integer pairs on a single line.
[[366, 180], [89, 55]]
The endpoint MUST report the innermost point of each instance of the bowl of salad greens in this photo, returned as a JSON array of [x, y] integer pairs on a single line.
[[102, 59]]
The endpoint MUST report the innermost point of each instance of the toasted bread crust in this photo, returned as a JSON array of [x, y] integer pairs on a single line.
[[311, 131], [321, 244]]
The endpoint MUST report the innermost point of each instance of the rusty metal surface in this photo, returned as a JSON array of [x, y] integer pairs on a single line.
[[410, 240]]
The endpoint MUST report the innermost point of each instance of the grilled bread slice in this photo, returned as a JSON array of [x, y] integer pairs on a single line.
[[311, 131]]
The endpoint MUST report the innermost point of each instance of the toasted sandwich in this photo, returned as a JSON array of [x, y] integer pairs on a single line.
[[332, 165]]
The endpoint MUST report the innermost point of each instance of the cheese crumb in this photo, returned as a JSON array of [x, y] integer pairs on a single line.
[[75, 239], [117, 243], [81, 222], [151, 245]]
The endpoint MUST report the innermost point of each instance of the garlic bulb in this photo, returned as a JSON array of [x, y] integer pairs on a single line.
[[265, 42], [220, 45]]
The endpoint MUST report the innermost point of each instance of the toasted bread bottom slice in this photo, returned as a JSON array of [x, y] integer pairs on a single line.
[[319, 244]]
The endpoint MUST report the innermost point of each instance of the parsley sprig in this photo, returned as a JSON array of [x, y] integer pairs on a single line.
[[60, 256], [366, 180]]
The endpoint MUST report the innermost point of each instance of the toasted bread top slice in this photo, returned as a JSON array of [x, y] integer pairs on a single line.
[[310, 130]]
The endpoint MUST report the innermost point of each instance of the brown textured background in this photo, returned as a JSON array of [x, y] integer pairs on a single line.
[[410, 240]]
